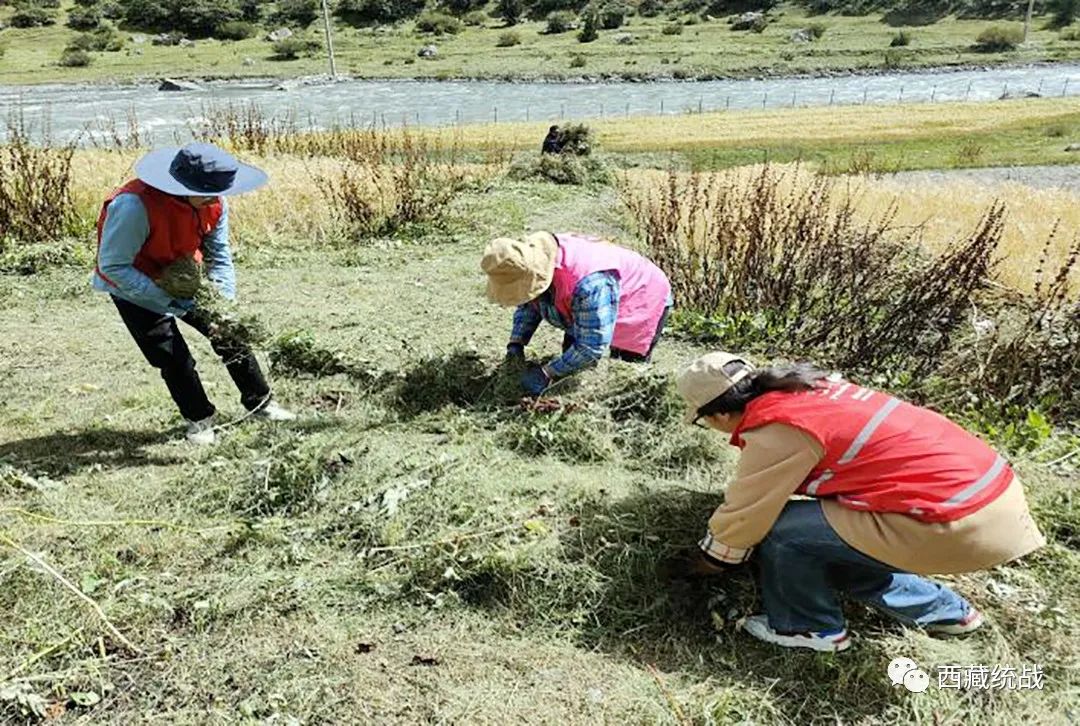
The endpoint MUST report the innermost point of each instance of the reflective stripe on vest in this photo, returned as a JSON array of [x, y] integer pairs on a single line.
[[962, 497], [860, 440]]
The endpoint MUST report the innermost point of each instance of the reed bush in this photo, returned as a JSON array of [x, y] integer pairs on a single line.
[[784, 264], [35, 187]]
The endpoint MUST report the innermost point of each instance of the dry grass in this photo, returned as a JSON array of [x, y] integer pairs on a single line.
[[293, 207], [848, 124], [946, 211]]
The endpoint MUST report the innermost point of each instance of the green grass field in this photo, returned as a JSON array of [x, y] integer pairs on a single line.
[[704, 49], [398, 555]]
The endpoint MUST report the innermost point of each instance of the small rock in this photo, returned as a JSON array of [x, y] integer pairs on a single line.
[[248, 62], [425, 659], [625, 39], [1072, 147], [748, 21], [138, 39], [428, 51], [286, 86], [801, 36], [173, 84], [279, 34], [185, 43], [1015, 95], [166, 39]]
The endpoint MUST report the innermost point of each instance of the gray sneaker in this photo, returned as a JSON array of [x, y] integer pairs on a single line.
[[201, 433], [273, 411]]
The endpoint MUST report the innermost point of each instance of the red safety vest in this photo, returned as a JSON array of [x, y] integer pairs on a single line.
[[643, 288], [176, 228], [885, 455]]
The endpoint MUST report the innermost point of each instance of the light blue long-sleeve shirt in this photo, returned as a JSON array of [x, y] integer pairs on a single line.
[[123, 235]]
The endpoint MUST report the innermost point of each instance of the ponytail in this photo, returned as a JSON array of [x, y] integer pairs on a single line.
[[786, 379]]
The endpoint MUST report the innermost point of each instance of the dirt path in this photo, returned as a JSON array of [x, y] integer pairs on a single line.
[[1040, 177]]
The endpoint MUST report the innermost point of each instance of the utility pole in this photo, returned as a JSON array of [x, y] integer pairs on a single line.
[[330, 39], [1027, 18]]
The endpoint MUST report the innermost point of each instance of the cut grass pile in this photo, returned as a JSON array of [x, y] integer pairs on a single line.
[[704, 48]]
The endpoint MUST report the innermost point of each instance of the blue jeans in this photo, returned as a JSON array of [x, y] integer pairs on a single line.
[[804, 565]]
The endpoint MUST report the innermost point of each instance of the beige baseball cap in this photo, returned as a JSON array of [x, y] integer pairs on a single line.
[[519, 270], [704, 379]]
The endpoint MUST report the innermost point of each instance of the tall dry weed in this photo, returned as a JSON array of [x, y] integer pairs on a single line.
[[35, 187]]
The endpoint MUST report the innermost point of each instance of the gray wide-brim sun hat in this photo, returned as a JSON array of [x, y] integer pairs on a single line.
[[199, 170]]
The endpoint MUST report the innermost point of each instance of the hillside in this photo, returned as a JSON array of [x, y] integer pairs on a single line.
[[100, 40]]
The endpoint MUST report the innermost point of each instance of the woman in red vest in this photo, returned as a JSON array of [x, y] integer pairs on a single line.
[[605, 298], [175, 209], [891, 491]]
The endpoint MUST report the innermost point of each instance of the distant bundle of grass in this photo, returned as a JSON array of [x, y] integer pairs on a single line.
[[185, 280]]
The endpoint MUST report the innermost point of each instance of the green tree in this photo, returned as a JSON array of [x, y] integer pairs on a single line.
[[510, 11], [588, 31]]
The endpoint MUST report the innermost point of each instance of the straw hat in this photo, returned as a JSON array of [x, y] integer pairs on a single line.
[[705, 380], [519, 270]]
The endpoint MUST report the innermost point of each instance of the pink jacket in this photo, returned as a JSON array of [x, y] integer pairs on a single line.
[[643, 288]]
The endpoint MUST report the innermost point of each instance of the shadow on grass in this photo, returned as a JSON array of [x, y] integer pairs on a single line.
[[618, 584], [66, 453]]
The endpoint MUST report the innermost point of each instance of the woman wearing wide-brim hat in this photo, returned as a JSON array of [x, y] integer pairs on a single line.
[[606, 298], [891, 492], [175, 209]]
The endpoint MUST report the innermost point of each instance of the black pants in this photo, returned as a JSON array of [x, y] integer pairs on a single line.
[[161, 343], [626, 355]]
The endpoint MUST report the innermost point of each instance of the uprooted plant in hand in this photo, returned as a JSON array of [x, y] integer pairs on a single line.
[[185, 280]]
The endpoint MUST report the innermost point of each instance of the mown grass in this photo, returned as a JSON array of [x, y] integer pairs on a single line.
[[395, 557], [704, 49]]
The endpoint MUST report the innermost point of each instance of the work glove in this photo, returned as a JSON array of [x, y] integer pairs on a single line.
[[535, 380], [180, 308], [515, 350]]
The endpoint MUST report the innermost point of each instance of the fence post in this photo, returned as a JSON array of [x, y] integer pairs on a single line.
[[661, 107], [526, 113], [865, 91], [1040, 86], [727, 104], [562, 111], [832, 96], [457, 117], [601, 110], [933, 94], [793, 94], [1005, 89], [417, 118], [1065, 88], [701, 105], [967, 93], [764, 99], [495, 111], [901, 97], [628, 110]]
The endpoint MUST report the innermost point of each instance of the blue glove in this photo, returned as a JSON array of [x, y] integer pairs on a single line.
[[534, 380], [515, 350]]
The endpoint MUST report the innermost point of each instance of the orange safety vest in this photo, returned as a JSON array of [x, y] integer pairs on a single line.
[[176, 228], [885, 455]]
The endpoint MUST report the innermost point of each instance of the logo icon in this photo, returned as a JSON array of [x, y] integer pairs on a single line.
[[916, 681], [905, 672], [899, 668]]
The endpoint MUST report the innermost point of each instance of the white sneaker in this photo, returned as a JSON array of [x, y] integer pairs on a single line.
[[273, 411], [825, 642], [201, 433], [971, 622]]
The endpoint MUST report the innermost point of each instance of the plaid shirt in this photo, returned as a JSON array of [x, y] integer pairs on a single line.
[[594, 308]]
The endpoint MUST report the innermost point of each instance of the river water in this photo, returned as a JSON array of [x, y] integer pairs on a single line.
[[168, 116]]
